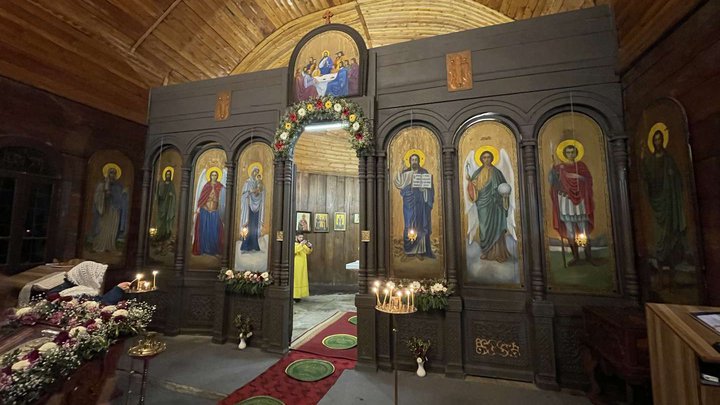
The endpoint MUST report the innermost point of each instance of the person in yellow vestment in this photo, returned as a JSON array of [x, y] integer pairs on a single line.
[[302, 249]]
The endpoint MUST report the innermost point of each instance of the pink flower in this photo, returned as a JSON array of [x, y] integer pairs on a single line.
[[32, 356], [62, 337], [93, 327], [122, 305]]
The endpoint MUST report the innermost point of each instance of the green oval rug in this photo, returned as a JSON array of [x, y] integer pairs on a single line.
[[353, 319], [340, 341], [261, 400], [309, 370]]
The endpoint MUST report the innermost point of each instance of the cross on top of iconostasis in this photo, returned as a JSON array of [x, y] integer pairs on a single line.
[[328, 14]]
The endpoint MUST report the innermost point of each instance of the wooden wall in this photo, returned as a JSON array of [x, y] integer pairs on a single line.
[[334, 249], [71, 132], [684, 65]]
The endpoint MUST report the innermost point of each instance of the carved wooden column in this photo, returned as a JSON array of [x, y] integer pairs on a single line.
[[175, 282], [449, 165], [229, 208], [618, 147], [146, 206], [277, 325], [380, 271], [533, 218], [184, 218], [365, 224], [370, 209], [543, 311]]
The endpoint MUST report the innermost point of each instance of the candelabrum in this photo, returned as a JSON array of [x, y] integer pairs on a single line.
[[412, 235], [144, 286], [581, 239], [395, 301], [244, 233]]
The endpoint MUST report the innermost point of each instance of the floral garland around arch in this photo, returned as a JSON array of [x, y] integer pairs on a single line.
[[325, 108]]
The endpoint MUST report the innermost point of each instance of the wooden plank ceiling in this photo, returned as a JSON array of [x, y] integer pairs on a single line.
[[109, 53]]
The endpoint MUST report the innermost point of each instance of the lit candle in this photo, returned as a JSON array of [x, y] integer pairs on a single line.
[[385, 291], [377, 295], [146, 285], [155, 273], [399, 300], [407, 294]]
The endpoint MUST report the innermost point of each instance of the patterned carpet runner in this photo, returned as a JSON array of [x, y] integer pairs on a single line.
[[298, 386]]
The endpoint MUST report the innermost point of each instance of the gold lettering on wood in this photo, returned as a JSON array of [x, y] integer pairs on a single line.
[[222, 106], [459, 71], [492, 347], [365, 236]]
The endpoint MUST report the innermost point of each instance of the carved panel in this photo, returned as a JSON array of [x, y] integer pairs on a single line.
[[425, 326], [459, 71], [222, 106], [497, 339], [568, 347], [247, 306], [200, 309]]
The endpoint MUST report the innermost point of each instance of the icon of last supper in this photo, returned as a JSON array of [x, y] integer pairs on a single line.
[[328, 65]]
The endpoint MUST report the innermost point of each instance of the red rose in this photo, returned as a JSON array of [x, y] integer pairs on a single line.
[[293, 117], [346, 112], [319, 104], [105, 316], [32, 356], [278, 145], [62, 337], [358, 136]]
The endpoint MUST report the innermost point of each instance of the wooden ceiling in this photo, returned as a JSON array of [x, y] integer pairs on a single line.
[[335, 158], [109, 53]]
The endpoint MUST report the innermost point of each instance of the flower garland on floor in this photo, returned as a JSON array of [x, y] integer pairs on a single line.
[[87, 329], [326, 108], [245, 282], [429, 293]]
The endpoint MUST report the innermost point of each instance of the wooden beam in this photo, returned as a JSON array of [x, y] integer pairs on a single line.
[[364, 25], [155, 24]]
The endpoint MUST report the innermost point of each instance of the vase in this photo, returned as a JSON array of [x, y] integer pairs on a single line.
[[421, 369], [242, 345]]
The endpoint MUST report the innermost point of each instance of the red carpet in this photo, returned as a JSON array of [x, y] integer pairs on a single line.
[[341, 325], [275, 383]]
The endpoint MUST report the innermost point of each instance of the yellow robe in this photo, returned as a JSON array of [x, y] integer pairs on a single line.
[[300, 278]]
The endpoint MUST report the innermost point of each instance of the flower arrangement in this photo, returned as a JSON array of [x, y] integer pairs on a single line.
[[88, 329], [245, 282], [418, 347], [326, 108], [429, 293], [244, 325]]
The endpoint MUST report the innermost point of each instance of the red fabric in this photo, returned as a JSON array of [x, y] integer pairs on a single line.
[[576, 189], [275, 383], [341, 325]]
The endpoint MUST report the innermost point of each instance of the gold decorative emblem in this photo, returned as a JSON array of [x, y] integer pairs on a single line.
[[279, 236], [222, 106], [148, 346], [365, 236], [492, 347], [459, 71]]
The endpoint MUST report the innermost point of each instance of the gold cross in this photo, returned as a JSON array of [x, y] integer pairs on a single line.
[[327, 16]]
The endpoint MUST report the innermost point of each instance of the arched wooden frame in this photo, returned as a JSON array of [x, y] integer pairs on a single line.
[[385, 238], [475, 289], [362, 53], [614, 208]]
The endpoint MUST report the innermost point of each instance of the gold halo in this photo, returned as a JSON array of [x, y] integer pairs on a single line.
[[487, 148], [659, 126], [323, 53], [172, 172], [214, 169], [574, 142], [108, 166], [254, 165], [411, 152]]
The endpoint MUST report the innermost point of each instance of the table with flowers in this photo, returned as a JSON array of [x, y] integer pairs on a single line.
[[64, 350]]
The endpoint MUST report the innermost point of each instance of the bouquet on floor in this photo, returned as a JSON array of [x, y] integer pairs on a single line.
[[245, 282], [418, 347]]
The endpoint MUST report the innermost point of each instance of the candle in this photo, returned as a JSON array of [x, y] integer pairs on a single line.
[[155, 273], [146, 285], [377, 295], [385, 291], [407, 294], [399, 300]]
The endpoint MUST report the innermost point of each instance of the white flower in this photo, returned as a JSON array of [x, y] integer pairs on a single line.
[[390, 285], [78, 331], [20, 365], [356, 126], [98, 321], [120, 312], [302, 112], [229, 273], [47, 347], [247, 274], [23, 311], [415, 286], [284, 136], [265, 275], [337, 107], [91, 304], [109, 308]]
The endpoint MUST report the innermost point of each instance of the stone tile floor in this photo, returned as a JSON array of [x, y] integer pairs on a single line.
[[314, 309]]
